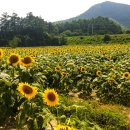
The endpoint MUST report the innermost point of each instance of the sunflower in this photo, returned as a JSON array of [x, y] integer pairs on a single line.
[[110, 80], [82, 69], [27, 90], [58, 69], [13, 59], [98, 73], [126, 75], [1, 53], [51, 97], [64, 127], [27, 61], [106, 66], [109, 57], [64, 74]]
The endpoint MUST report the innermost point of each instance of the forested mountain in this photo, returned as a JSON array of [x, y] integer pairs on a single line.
[[116, 11], [99, 25]]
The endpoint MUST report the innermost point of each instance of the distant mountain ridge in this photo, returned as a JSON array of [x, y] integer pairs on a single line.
[[117, 11]]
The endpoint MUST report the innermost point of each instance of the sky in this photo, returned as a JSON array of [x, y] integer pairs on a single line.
[[50, 10]]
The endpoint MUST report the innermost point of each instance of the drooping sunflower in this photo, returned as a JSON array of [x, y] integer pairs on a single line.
[[27, 90], [13, 59], [51, 97], [126, 75], [27, 61], [1, 53], [98, 73]]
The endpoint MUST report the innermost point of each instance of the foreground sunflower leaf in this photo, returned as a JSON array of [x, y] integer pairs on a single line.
[[7, 82]]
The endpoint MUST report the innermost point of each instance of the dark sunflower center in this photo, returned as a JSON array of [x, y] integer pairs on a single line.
[[126, 75], [27, 89], [99, 73], [67, 128], [27, 60], [51, 96], [82, 69], [62, 129], [64, 74], [57, 68], [0, 53], [13, 59]]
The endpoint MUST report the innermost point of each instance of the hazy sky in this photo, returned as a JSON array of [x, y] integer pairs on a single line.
[[50, 10]]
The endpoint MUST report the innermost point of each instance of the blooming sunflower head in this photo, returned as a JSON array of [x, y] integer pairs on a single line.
[[110, 80], [57, 68], [27, 90], [27, 61], [126, 75], [64, 74], [51, 97], [109, 57], [13, 59], [1, 53], [98, 73], [106, 66], [82, 69], [64, 127]]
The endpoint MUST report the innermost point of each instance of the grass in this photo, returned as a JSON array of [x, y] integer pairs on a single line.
[[97, 39], [94, 114]]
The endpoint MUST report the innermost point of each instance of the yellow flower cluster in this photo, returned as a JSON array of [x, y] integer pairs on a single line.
[[50, 96]]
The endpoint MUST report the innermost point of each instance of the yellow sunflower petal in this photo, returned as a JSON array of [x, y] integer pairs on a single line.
[[126, 75], [27, 90], [27, 61], [13, 59], [51, 97], [1, 53]]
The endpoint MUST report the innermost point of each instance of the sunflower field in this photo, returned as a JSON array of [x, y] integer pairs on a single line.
[[37, 86]]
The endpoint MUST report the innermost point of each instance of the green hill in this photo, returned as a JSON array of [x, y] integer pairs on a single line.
[[117, 11]]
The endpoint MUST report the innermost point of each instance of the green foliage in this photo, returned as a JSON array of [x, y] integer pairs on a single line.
[[98, 39], [128, 31], [94, 26], [90, 115], [106, 38], [8, 98], [14, 42], [29, 31]]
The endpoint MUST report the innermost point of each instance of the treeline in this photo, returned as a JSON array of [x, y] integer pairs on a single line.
[[29, 31], [34, 31], [94, 26]]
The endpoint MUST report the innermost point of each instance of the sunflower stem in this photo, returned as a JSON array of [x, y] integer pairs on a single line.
[[68, 122], [26, 69], [57, 112], [51, 125], [13, 72], [31, 109]]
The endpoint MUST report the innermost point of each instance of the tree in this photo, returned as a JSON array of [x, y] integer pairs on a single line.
[[14, 42], [106, 38]]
